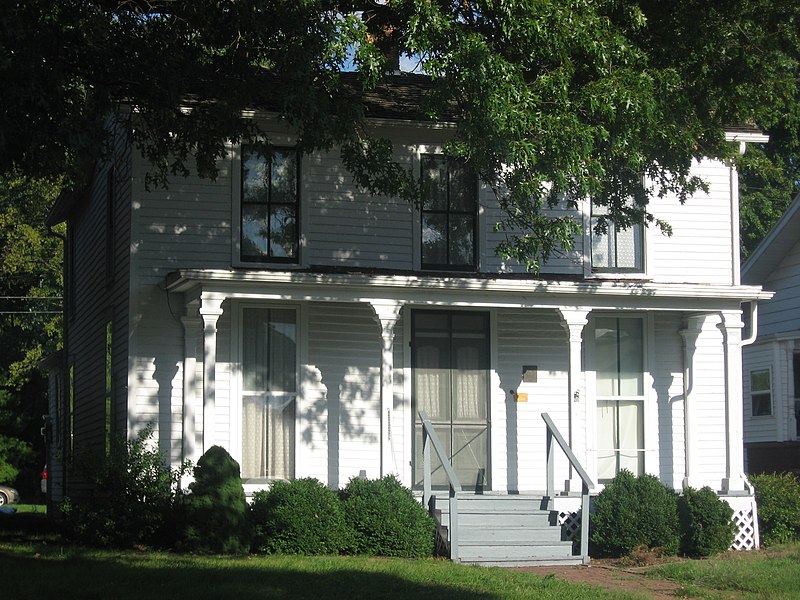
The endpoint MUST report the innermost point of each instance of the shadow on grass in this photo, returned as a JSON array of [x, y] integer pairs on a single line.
[[131, 575]]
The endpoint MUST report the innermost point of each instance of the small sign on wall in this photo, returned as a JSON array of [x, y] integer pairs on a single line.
[[529, 373], [520, 397]]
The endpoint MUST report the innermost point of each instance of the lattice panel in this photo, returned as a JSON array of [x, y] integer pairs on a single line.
[[570, 524], [746, 526]]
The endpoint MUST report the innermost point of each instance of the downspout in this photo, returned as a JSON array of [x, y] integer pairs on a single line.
[[753, 324]]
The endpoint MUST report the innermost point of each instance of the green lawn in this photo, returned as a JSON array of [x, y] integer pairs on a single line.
[[36, 564], [773, 573]]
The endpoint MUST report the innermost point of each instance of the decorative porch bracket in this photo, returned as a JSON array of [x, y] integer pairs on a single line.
[[554, 434], [431, 438]]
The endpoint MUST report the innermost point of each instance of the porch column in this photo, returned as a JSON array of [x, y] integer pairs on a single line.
[[574, 321], [731, 328], [191, 330], [386, 314], [690, 334], [210, 311]]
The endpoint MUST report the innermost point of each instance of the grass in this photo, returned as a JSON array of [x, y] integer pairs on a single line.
[[30, 508], [35, 563], [772, 573]]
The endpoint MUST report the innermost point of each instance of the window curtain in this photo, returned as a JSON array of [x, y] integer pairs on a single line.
[[619, 365], [269, 393]]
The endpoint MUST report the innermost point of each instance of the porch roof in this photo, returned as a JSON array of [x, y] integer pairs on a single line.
[[461, 290]]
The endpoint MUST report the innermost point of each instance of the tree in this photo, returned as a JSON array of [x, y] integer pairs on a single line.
[[554, 99], [30, 289]]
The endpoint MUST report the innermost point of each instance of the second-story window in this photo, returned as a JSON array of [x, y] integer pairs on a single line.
[[270, 205], [449, 214], [617, 250]]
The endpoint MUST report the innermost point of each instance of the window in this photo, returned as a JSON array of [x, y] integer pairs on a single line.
[[270, 205], [619, 352], [616, 250], [761, 392], [449, 214], [269, 391]]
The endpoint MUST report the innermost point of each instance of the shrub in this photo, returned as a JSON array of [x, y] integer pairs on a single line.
[[706, 526], [386, 519], [133, 498], [778, 499], [298, 517], [632, 512], [215, 512]]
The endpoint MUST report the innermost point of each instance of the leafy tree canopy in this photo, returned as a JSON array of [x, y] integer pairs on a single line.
[[554, 98], [30, 322]]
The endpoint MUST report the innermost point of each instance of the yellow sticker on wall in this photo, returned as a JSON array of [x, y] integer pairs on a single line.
[[521, 398]]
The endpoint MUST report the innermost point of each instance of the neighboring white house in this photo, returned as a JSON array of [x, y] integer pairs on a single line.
[[772, 363], [292, 318]]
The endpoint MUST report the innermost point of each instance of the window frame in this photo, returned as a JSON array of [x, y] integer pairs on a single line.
[[641, 399], [640, 249], [254, 261], [252, 485], [761, 392], [474, 213]]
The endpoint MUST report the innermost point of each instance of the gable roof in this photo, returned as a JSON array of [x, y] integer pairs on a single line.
[[777, 243]]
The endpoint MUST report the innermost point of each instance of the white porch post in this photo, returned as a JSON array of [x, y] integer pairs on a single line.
[[690, 334], [386, 314], [574, 321], [731, 328], [191, 330], [210, 311]]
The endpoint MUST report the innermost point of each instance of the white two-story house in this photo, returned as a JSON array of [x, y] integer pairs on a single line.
[[285, 314]]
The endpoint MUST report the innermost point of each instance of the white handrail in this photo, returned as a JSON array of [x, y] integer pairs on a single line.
[[431, 438], [587, 484]]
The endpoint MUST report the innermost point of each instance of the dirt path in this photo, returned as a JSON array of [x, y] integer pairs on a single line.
[[612, 578]]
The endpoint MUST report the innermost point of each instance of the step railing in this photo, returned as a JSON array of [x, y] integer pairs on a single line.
[[430, 439], [554, 434]]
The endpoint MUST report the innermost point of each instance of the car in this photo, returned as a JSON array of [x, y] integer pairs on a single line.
[[8, 495]]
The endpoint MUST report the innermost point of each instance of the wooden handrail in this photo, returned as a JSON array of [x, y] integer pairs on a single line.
[[587, 484], [431, 438]]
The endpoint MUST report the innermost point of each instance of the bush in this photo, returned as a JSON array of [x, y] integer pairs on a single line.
[[632, 512], [215, 512], [778, 499], [386, 519], [134, 497], [706, 526], [298, 517]]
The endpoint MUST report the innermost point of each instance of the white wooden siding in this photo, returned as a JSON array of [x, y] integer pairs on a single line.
[[701, 247], [666, 351], [708, 396], [528, 338], [348, 227], [344, 348], [98, 300], [782, 313]]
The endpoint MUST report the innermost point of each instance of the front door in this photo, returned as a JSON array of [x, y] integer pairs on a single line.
[[450, 364]]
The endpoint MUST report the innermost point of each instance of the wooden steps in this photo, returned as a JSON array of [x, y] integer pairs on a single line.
[[506, 530]]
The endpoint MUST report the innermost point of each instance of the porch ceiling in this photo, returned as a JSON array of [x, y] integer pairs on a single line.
[[460, 291]]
